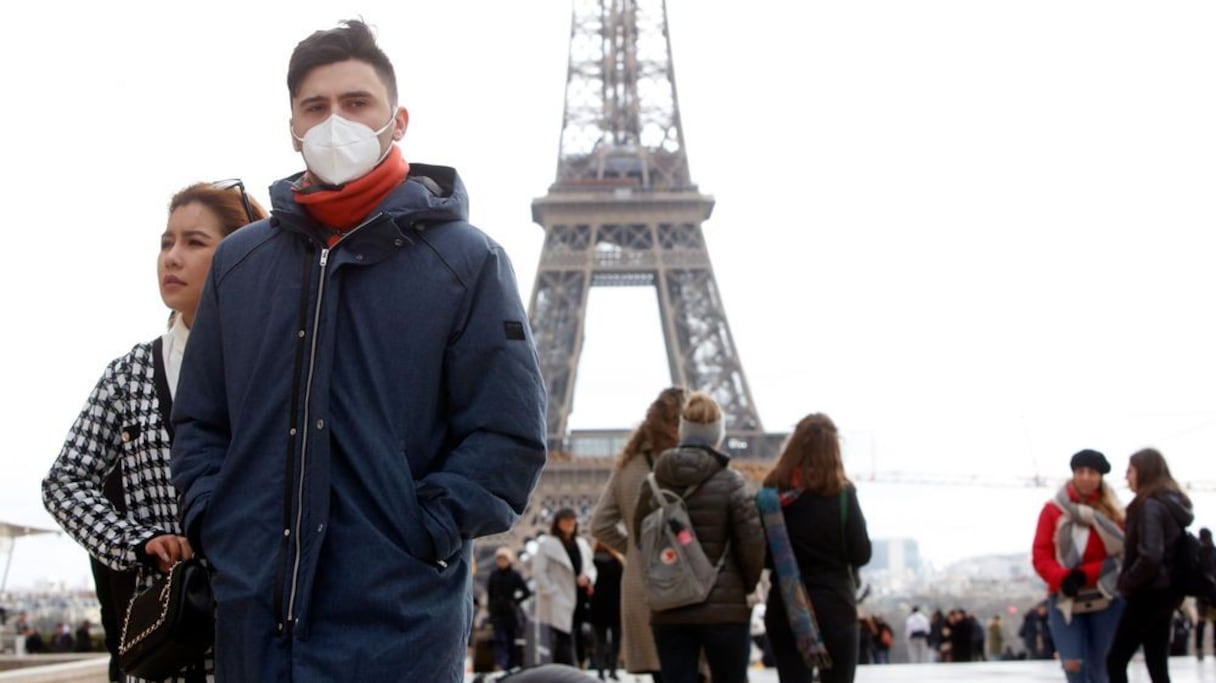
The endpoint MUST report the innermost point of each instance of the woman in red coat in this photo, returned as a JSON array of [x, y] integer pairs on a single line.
[[1077, 548]]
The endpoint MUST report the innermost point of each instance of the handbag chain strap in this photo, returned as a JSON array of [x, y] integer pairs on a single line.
[[125, 644]]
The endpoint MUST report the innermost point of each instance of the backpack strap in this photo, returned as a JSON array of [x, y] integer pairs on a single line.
[[657, 492]]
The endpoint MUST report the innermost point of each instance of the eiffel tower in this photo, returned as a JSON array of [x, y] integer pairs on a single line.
[[624, 212]]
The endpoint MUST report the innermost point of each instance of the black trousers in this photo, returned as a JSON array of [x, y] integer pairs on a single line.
[[837, 619], [1146, 622]]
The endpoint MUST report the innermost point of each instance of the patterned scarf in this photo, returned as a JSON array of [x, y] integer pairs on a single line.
[[1067, 553], [798, 608]]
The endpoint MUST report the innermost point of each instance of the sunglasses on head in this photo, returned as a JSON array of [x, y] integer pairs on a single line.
[[230, 183]]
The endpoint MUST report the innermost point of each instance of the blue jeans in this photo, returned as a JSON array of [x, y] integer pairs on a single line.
[[727, 650], [1086, 639]]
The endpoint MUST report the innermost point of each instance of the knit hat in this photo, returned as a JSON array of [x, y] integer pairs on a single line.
[[1091, 459], [702, 433]]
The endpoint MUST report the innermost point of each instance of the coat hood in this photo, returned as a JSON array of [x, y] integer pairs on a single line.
[[687, 465], [1179, 507]]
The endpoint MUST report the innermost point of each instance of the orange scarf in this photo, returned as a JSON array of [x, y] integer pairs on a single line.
[[345, 206]]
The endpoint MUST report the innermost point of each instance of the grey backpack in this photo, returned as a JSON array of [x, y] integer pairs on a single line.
[[675, 569]]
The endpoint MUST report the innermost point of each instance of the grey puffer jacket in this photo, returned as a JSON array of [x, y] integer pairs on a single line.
[[1154, 525], [721, 509]]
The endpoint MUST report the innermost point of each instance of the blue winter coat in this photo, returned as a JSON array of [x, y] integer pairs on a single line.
[[347, 419]]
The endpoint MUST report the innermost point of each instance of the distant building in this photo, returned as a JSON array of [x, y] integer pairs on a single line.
[[895, 555]]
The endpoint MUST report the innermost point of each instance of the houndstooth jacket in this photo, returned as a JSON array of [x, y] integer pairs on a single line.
[[124, 423], [124, 420]]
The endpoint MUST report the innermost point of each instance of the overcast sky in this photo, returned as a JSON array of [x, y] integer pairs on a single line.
[[977, 234]]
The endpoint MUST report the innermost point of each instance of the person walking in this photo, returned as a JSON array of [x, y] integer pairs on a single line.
[[1077, 548], [505, 590], [564, 572], [727, 524], [365, 400], [827, 534], [994, 647], [109, 487], [916, 634], [615, 511], [1156, 518], [1205, 611], [605, 615]]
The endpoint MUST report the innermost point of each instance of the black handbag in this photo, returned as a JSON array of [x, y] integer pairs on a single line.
[[169, 626]]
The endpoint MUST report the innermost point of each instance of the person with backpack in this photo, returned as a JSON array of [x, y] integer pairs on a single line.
[[1077, 544], [1156, 519], [616, 508], [725, 525], [826, 532]]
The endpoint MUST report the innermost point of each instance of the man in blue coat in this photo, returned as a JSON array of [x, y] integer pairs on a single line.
[[360, 399]]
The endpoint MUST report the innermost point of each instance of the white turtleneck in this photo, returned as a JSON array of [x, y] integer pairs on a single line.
[[174, 343]]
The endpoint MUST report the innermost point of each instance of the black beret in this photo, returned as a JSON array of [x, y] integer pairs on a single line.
[[1091, 459]]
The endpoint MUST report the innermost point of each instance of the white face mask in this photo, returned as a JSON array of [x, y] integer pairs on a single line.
[[338, 151]]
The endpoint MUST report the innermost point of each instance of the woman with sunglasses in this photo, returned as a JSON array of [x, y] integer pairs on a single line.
[[109, 488]]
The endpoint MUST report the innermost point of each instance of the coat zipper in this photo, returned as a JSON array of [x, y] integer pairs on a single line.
[[312, 364]]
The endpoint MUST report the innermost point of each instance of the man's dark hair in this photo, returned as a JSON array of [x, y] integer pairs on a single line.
[[352, 40]]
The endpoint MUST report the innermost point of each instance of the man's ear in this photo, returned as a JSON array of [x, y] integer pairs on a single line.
[[291, 130], [400, 123]]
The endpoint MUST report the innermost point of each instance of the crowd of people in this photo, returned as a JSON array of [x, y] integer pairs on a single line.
[[591, 593], [348, 394], [1095, 556]]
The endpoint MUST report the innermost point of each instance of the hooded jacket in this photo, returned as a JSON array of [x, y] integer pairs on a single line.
[[1154, 525], [348, 419], [722, 511]]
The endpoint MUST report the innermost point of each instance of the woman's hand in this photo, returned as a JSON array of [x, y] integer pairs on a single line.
[[168, 550], [583, 581]]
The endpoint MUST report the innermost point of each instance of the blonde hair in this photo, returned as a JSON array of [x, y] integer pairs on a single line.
[[701, 408], [1108, 502]]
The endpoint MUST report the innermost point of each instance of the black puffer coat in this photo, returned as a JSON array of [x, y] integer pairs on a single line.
[[1153, 527], [721, 509]]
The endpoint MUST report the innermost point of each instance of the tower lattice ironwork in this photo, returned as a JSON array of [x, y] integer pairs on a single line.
[[624, 211]]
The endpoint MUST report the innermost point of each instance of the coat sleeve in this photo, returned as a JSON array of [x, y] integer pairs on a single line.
[[1150, 547], [1043, 553], [200, 415], [73, 490], [646, 504], [860, 549], [589, 569], [540, 571], [747, 534], [496, 416], [519, 591], [607, 521]]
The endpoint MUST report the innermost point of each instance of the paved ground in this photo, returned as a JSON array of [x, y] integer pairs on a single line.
[[1182, 670]]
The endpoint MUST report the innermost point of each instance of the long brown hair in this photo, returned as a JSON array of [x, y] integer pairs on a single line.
[[810, 458], [657, 432], [1152, 476]]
